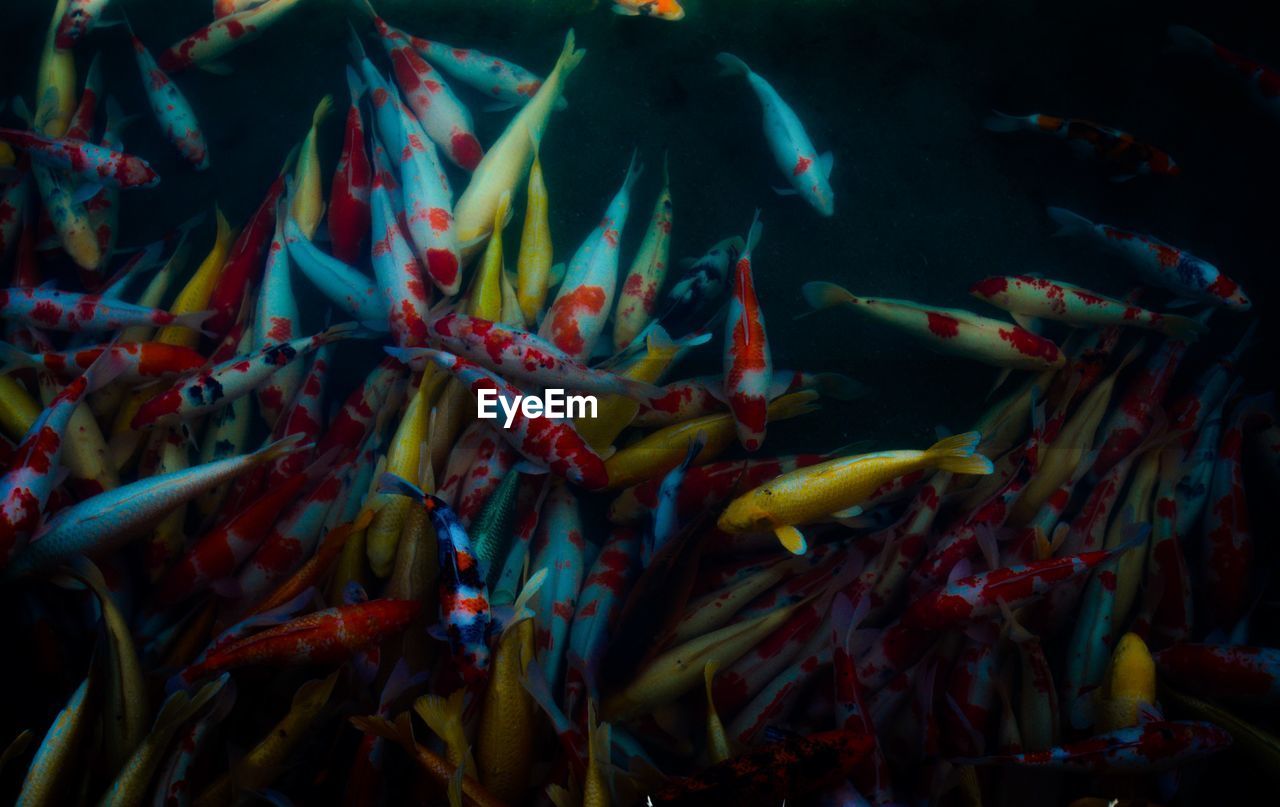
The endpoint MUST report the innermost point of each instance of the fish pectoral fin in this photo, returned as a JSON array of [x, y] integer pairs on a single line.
[[826, 162], [499, 106], [792, 539], [85, 191], [786, 191], [625, 11], [1029, 322], [848, 512]]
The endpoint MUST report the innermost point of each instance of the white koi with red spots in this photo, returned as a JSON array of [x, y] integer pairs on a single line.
[[394, 265], [560, 549], [948, 330], [1039, 297], [446, 119], [510, 85], [205, 47], [748, 364], [808, 172], [576, 318], [1158, 264], [71, 311], [84, 161], [80, 17], [522, 357], [174, 114], [639, 295], [276, 320]]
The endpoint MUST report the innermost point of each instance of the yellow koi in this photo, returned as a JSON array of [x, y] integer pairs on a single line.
[[533, 263], [307, 207]]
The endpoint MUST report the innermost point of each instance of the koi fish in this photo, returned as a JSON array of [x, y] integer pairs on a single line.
[[508, 160], [137, 361], [808, 172], [948, 330], [324, 637], [92, 165], [748, 363], [577, 316], [639, 295], [244, 261], [446, 120], [1028, 297], [101, 523], [669, 10], [80, 17], [545, 442], [1154, 746], [509, 84], [838, 488], [394, 265], [1092, 139], [211, 43], [31, 477], [695, 298], [71, 311], [1230, 672], [346, 286], [220, 385], [172, 110], [1262, 81], [349, 212], [521, 357], [533, 262], [1157, 263]]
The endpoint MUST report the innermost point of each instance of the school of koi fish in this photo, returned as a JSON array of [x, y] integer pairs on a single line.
[[271, 588]]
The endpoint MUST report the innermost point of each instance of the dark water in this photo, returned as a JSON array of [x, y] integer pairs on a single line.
[[927, 201]]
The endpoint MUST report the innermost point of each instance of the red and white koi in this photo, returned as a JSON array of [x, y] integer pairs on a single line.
[[1122, 149], [522, 357], [206, 47], [172, 110], [349, 211], [1157, 263], [509, 84], [639, 296], [137, 361], [1262, 81], [101, 523], [80, 17], [89, 163], [576, 318], [669, 10], [1230, 672], [446, 119], [748, 363], [948, 330], [604, 591], [394, 265], [1036, 297], [1228, 547], [560, 549], [54, 310], [244, 262], [552, 444], [220, 385], [32, 473], [808, 172]]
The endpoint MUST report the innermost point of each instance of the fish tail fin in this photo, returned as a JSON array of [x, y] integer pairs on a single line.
[[838, 386], [355, 45], [408, 355], [396, 485], [520, 609], [366, 7], [753, 235], [569, 57], [958, 454], [323, 110], [634, 170], [109, 366], [345, 330], [1069, 223], [355, 85], [11, 356], [820, 294], [731, 65], [1186, 329], [1000, 122], [793, 405], [280, 448], [442, 715], [1188, 40]]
